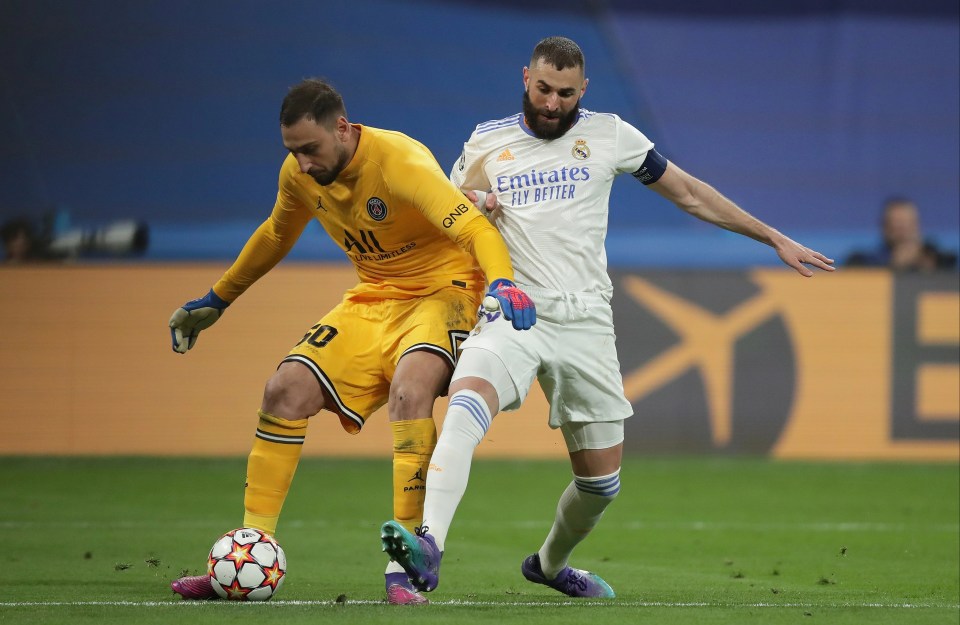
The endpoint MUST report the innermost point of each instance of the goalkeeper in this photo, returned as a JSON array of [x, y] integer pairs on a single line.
[[416, 243]]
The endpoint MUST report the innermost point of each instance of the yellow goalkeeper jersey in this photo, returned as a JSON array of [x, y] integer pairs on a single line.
[[407, 229]]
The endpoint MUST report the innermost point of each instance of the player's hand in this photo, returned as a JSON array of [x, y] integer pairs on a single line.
[[194, 316], [799, 256], [512, 302], [487, 204]]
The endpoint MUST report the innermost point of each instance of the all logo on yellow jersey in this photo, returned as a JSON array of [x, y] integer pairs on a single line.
[[367, 244], [580, 150], [505, 156]]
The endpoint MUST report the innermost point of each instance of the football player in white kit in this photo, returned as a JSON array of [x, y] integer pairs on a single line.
[[548, 173]]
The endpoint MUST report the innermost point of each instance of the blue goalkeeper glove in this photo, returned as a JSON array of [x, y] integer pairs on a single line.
[[512, 302], [194, 316]]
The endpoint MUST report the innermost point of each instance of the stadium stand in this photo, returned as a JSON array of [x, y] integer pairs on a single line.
[[807, 112]]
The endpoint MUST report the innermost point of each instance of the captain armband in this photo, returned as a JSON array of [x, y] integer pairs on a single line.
[[653, 167]]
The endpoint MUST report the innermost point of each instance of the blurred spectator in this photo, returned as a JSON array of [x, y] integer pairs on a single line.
[[23, 242], [20, 241], [903, 247]]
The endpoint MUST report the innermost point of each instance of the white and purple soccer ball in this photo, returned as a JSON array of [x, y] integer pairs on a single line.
[[246, 564]]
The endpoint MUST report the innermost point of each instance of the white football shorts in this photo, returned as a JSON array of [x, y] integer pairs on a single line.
[[571, 350]]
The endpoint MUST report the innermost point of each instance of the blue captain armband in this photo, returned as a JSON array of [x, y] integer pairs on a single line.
[[653, 167]]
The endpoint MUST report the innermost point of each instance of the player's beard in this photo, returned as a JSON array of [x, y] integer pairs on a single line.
[[324, 178], [542, 130]]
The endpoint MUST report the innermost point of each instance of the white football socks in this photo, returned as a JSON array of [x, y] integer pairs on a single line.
[[464, 426], [580, 508]]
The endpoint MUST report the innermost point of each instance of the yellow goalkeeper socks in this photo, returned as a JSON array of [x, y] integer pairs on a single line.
[[413, 444], [270, 468]]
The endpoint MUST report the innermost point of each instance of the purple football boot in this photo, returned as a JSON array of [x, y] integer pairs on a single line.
[[571, 582], [417, 554]]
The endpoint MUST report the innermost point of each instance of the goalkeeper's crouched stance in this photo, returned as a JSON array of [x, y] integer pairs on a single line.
[[331, 368], [416, 243]]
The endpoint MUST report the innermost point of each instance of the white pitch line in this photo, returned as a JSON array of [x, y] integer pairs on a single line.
[[693, 526], [842, 526], [469, 604]]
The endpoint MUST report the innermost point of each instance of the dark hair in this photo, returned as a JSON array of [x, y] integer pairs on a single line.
[[559, 52], [312, 98]]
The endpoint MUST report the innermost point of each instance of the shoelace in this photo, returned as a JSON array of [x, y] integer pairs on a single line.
[[421, 530], [574, 578]]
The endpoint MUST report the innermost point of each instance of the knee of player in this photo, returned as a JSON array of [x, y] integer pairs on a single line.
[[410, 399], [286, 397]]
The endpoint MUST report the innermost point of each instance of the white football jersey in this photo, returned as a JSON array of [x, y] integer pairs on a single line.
[[555, 194]]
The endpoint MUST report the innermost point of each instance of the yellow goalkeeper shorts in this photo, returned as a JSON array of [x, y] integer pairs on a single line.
[[354, 349]]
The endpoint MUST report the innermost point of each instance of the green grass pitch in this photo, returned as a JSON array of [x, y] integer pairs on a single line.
[[689, 540]]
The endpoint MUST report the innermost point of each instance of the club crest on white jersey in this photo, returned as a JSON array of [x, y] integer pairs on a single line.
[[580, 150], [554, 193]]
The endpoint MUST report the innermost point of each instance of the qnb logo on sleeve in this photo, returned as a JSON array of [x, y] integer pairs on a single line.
[[451, 217]]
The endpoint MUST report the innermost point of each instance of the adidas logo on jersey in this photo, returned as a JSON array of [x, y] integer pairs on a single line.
[[505, 156]]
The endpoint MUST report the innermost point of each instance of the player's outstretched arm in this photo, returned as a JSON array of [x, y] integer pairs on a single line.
[[704, 202], [484, 243], [198, 314], [515, 305], [799, 256]]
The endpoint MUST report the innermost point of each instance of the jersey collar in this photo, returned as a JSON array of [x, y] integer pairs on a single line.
[[353, 167], [522, 122]]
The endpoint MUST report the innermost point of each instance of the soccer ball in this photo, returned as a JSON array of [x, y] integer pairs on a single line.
[[246, 564]]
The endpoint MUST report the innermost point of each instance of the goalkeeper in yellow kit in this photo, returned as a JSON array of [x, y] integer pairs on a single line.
[[416, 243]]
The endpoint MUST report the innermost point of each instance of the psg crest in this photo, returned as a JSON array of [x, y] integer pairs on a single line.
[[376, 209]]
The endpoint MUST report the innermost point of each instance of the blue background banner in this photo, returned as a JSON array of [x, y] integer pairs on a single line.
[[807, 113]]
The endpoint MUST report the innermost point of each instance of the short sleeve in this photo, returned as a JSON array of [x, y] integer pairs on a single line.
[[632, 147], [467, 172]]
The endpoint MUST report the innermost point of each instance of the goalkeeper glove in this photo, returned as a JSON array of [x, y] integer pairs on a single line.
[[194, 316], [514, 303]]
